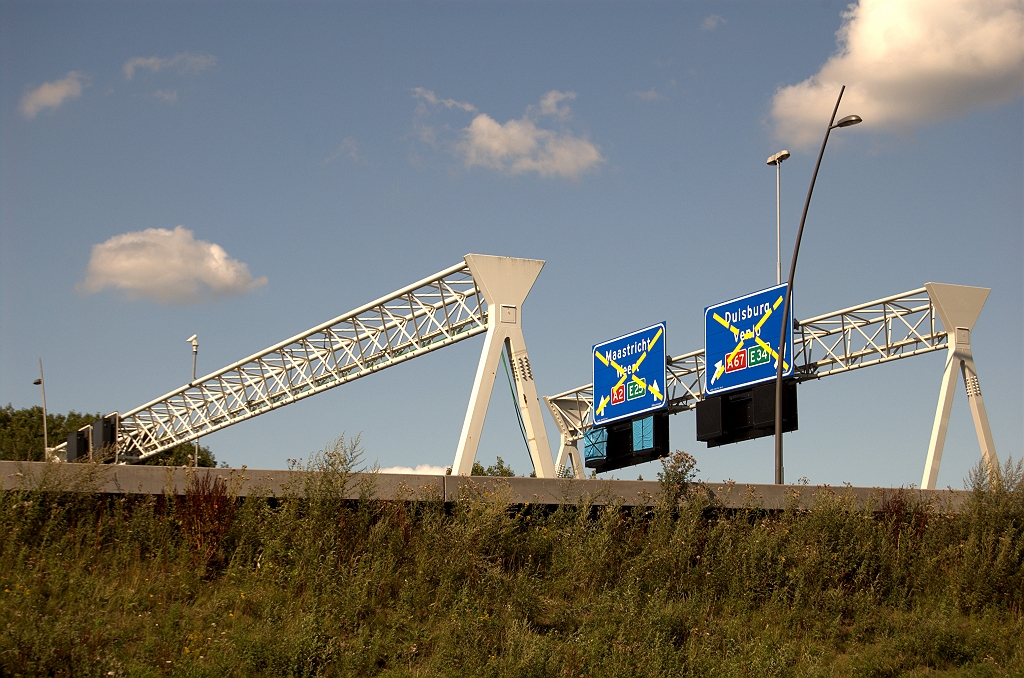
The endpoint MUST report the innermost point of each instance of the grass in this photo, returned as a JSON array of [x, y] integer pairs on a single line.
[[207, 584]]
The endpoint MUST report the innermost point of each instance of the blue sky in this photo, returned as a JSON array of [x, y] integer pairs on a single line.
[[336, 152]]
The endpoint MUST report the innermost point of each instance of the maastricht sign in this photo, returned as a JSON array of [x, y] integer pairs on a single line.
[[629, 375]]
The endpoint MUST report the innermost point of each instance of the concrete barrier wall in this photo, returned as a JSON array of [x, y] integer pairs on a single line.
[[156, 480]]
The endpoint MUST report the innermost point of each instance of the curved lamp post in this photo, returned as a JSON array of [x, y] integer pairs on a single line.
[[832, 124]]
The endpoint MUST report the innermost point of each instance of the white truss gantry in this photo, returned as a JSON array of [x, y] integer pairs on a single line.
[[880, 331], [423, 317], [481, 294]]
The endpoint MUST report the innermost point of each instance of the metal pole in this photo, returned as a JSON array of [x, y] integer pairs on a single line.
[[195, 351], [778, 222], [779, 471], [46, 442]]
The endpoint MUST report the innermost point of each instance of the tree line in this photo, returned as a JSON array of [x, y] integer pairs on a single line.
[[21, 436]]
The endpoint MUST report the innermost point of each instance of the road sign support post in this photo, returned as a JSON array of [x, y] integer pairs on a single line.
[[504, 283], [958, 307]]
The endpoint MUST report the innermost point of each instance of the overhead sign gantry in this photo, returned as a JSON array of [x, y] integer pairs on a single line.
[[481, 294], [931, 318]]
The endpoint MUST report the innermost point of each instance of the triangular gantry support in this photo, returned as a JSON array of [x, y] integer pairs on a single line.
[[958, 307], [504, 283]]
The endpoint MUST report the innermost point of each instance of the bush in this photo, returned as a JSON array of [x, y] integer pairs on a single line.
[[210, 584]]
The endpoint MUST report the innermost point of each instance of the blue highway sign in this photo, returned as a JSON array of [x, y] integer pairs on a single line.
[[741, 341], [629, 375]]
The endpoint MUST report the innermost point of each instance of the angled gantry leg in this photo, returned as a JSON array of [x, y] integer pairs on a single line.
[[504, 283], [939, 426], [958, 307]]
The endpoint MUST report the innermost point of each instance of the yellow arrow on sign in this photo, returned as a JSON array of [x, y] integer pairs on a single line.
[[623, 375], [749, 334], [765, 346]]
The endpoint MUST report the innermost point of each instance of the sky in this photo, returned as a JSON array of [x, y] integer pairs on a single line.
[[245, 171]]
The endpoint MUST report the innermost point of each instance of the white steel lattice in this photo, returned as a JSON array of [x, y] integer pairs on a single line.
[[425, 316], [879, 331]]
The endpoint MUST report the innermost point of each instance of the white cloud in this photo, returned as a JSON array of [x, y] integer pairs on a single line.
[[422, 469], [185, 62], [711, 22], [649, 95], [431, 98], [52, 94], [549, 103], [907, 62], [166, 266], [520, 146], [517, 146]]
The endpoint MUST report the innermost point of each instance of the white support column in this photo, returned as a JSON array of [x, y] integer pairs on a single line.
[[529, 404], [479, 398], [577, 409], [958, 307], [570, 453], [504, 283], [981, 427], [938, 439]]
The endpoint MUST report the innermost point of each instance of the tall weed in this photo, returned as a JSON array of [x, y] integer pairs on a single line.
[[331, 581]]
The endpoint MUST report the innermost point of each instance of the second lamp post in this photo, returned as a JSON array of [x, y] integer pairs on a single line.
[[832, 124]]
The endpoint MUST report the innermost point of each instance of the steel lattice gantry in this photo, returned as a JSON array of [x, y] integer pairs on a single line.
[[880, 331], [423, 317], [482, 294]]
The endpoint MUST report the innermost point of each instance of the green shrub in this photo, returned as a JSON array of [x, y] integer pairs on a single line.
[[210, 584]]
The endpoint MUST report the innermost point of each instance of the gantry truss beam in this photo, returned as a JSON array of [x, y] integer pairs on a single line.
[[423, 317], [879, 331]]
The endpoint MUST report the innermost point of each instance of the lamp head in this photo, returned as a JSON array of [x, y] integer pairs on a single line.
[[849, 120], [192, 338], [778, 158], [37, 382]]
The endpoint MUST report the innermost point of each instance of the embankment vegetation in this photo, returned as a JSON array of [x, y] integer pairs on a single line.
[[210, 584]]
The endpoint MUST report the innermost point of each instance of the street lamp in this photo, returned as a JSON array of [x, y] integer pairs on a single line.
[[195, 351], [39, 382], [832, 124], [777, 161]]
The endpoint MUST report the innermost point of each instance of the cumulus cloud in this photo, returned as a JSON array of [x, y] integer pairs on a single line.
[[549, 103], [52, 94], [167, 267], [711, 22], [433, 99], [422, 469], [907, 62], [183, 63], [517, 146], [520, 146]]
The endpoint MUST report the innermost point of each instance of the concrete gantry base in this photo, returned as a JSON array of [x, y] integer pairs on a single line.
[[173, 480]]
